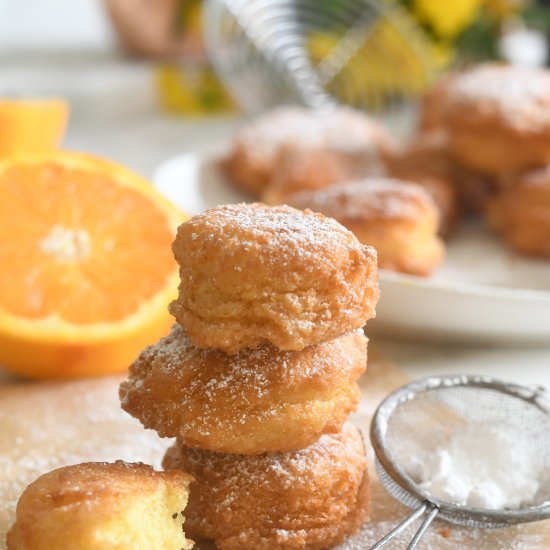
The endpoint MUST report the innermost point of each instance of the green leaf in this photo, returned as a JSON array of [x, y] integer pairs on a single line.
[[479, 41]]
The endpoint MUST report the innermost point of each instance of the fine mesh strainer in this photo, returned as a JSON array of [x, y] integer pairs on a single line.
[[366, 53], [418, 418]]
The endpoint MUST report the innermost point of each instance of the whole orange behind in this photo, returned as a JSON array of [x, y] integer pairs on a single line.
[[31, 125], [86, 268]]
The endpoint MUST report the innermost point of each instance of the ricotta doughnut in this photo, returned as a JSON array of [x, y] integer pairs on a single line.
[[309, 499], [348, 134], [426, 161], [521, 214], [308, 168], [259, 400], [459, 189], [399, 219], [253, 274], [102, 505], [498, 118]]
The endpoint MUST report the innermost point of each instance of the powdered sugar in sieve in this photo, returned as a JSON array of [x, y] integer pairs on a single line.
[[468, 449]]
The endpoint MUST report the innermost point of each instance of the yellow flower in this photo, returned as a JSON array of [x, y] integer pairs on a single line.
[[448, 18], [443, 54], [387, 64]]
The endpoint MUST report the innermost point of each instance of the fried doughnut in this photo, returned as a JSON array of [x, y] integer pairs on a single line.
[[445, 197], [475, 189], [252, 274], [425, 153], [308, 499], [498, 118], [521, 214], [102, 505], [432, 109], [425, 161], [399, 219], [348, 134], [260, 400], [309, 168], [458, 190]]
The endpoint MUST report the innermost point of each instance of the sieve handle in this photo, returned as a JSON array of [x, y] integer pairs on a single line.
[[428, 509]]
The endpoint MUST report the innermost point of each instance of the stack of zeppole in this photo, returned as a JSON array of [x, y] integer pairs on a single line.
[[259, 375]]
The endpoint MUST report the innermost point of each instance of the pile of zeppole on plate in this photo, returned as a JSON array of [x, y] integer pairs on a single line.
[[258, 377], [481, 148]]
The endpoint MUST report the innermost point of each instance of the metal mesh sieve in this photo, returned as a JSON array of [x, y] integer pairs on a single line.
[[415, 420], [366, 53]]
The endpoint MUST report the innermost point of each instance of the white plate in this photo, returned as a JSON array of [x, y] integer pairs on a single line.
[[483, 293]]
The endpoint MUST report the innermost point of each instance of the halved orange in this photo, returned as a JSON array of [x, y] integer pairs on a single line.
[[86, 268], [31, 125]]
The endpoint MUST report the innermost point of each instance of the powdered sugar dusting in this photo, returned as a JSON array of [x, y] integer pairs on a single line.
[[276, 236], [176, 387], [519, 94], [282, 470], [343, 129], [276, 226], [501, 84], [371, 198], [538, 178]]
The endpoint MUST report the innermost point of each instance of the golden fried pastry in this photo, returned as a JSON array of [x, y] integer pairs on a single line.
[[398, 218], [425, 161], [432, 108], [308, 499], [498, 118], [475, 189], [101, 505], [445, 197], [310, 168], [426, 153], [348, 135], [259, 400], [252, 274], [521, 214], [457, 188]]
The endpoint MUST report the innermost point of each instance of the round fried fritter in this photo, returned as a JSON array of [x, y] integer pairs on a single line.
[[346, 133], [498, 118], [259, 400], [308, 499], [426, 161], [455, 188], [398, 218], [432, 109], [252, 274], [307, 168], [521, 214], [102, 505]]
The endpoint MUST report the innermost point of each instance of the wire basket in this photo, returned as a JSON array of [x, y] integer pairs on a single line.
[[365, 53], [415, 420]]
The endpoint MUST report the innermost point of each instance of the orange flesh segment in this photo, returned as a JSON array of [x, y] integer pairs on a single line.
[[78, 245]]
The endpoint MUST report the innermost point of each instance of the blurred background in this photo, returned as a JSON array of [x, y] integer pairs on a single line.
[[72, 50], [133, 68]]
